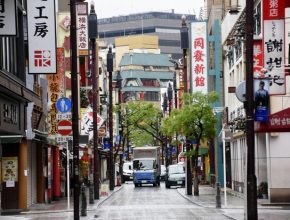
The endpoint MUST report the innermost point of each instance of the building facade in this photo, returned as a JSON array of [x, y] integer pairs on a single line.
[[271, 152], [164, 25]]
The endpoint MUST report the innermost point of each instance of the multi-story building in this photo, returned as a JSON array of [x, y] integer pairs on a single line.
[[144, 74], [164, 25], [20, 98], [272, 155]]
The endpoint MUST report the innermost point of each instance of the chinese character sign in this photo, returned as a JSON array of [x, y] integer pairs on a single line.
[[82, 26], [8, 25], [41, 36], [87, 123], [198, 54], [55, 91], [273, 9], [258, 59], [274, 60], [287, 33]]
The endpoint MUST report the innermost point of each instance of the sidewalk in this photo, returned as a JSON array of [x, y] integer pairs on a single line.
[[62, 204], [235, 204]]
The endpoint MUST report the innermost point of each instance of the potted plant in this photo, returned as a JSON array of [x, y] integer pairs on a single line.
[[263, 190]]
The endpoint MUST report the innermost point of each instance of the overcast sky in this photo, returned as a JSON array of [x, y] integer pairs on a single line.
[[110, 8]]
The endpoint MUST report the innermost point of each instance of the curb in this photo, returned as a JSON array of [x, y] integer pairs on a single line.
[[100, 202]]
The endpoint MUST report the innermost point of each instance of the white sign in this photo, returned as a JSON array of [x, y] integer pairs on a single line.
[[8, 24], [198, 47], [82, 26], [287, 33], [274, 55], [63, 116], [87, 123], [41, 36], [61, 139]]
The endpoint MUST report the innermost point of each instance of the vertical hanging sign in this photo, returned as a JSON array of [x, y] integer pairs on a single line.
[[198, 52], [274, 45], [41, 36], [82, 28], [8, 15]]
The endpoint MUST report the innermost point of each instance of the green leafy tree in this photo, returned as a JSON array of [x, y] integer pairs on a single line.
[[196, 121], [143, 119]]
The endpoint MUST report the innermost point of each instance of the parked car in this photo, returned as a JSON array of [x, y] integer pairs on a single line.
[[163, 172], [127, 171], [175, 176]]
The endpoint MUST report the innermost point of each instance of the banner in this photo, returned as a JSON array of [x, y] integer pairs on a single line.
[[82, 28], [41, 27], [198, 48], [274, 45], [8, 18]]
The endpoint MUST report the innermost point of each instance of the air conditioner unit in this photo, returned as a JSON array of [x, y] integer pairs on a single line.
[[234, 7]]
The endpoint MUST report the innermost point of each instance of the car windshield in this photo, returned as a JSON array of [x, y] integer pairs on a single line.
[[175, 169], [143, 164], [127, 166]]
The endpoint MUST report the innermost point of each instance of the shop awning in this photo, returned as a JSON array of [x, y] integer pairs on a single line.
[[8, 139]]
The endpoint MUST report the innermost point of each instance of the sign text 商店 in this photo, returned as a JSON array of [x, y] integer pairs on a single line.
[[41, 36]]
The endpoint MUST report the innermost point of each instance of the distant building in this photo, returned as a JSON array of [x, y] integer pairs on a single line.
[[164, 25], [143, 76]]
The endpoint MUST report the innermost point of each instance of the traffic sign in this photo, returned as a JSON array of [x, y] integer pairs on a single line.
[[63, 105], [64, 127]]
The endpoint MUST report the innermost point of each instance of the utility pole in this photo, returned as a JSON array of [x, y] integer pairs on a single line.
[[75, 107], [119, 86], [184, 47], [251, 212], [111, 160], [93, 34]]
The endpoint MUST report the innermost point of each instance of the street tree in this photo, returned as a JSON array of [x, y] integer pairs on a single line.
[[143, 119], [196, 121]]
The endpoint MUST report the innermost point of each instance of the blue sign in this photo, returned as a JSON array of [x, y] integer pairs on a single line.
[[106, 144], [63, 105], [173, 150], [261, 114]]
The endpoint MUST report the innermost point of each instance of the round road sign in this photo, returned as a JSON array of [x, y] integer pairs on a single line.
[[64, 127]]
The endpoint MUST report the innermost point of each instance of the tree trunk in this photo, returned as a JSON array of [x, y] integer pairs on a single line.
[[196, 188]]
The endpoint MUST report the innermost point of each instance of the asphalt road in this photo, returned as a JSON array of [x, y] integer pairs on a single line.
[[149, 202]]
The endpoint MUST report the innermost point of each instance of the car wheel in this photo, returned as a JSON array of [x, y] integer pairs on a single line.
[[154, 184], [136, 184], [167, 185]]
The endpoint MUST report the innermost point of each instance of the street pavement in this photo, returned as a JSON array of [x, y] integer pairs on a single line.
[[147, 202]]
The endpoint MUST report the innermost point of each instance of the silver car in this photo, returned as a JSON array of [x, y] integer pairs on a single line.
[[127, 171], [163, 172], [175, 176]]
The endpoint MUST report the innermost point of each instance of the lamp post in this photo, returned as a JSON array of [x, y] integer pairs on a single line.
[[119, 86], [93, 34], [251, 212], [75, 108], [111, 161], [184, 47]]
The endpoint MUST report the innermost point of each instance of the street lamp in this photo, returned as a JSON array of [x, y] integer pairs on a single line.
[[184, 47], [251, 211], [93, 34], [111, 161], [75, 107], [119, 86]]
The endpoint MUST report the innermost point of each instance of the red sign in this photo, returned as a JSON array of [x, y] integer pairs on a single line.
[[273, 9], [258, 59], [64, 127], [278, 122]]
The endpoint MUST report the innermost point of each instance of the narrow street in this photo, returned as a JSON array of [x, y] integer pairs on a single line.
[[149, 202], [140, 203]]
